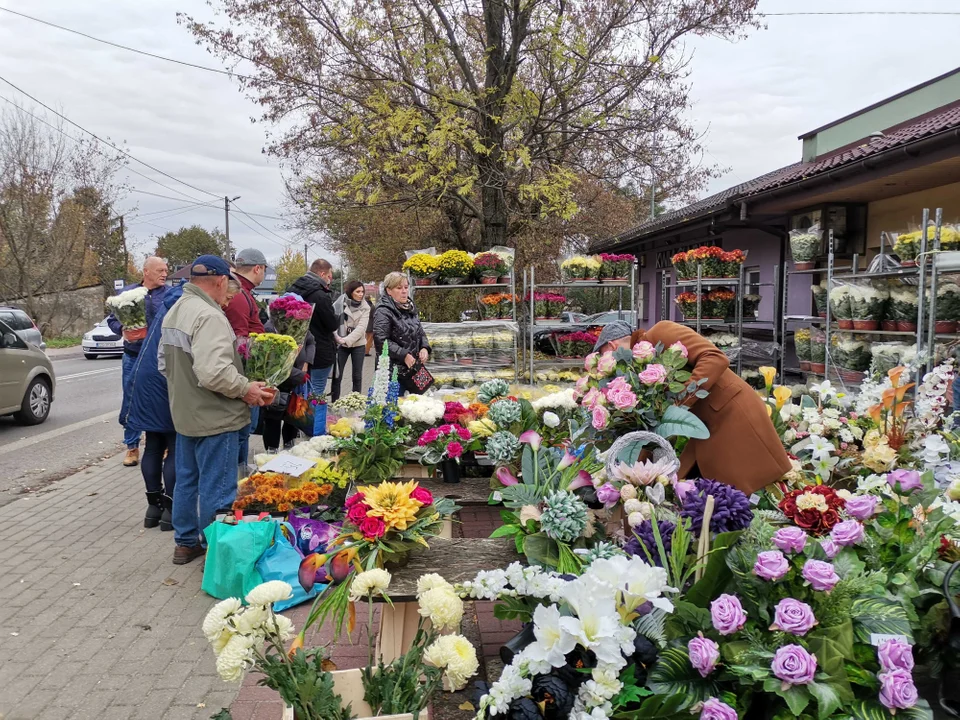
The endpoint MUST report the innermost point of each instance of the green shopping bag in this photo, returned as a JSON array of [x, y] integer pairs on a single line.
[[233, 548]]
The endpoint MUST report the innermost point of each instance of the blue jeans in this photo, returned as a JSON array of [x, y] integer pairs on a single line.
[[245, 434], [206, 482], [131, 438], [318, 380]]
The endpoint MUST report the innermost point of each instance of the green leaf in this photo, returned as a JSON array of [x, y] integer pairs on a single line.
[[673, 675], [828, 698], [797, 698], [542, 550], [505, 531], [630, 452], [678, 421], [517, 496], [872, 614], [847, 564], [873, 710], [527, 467], [717, 574]]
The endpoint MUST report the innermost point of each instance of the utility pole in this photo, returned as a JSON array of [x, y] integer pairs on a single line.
[[306, 261], [126, 253], [226, 214]]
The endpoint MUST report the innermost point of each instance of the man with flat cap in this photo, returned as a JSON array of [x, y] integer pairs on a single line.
[[743, 449]]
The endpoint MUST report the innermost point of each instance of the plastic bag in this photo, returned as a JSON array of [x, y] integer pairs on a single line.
[[232, 553], [281, 561], [425, 251], [840, 309], [805, 244], [269, 357]]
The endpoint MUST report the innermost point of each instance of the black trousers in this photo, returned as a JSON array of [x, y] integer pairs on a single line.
[[160, 475], [274, 428], [355, 354]]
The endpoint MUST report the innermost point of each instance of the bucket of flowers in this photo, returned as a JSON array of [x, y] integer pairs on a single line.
[[616, 267], [580, 269], [129, 308], [490, 267], [687, 302], [719, 304], [455, 267], [424, 268], [444, 446], [291, 317], [352, 405], [731, 261], [805, 247], [685, 266]]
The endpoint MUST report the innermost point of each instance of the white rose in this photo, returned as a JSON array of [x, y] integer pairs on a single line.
[[551, 419], [635, 519], [646, 509]]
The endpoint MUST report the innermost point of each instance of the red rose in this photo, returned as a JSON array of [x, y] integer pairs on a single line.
[[816, 520], [372, 528], [357, 514], [423, 496], [354, 499]]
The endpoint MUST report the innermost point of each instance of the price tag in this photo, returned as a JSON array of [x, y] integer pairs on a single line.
[[877, 639], [754, 499], [288, 465], [497, 496]]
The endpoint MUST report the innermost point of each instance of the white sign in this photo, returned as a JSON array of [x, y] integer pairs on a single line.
[[877, 639], [118, 284], [288, 465]]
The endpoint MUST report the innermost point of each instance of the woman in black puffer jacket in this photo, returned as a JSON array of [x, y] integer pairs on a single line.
[[397, 323]]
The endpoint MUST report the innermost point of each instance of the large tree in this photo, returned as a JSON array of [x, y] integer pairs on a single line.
[[489, 112], [47, 181], [188, 243]]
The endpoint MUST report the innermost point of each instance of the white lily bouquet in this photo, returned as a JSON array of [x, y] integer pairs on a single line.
[[130, 308]]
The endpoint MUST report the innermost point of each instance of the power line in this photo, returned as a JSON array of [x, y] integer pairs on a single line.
[[216, 205], [862, 12], [242, 212], [171, 214], [108, 144], [189, 206], [283, 245]]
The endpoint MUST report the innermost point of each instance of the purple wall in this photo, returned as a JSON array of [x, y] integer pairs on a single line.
[[763, 252]]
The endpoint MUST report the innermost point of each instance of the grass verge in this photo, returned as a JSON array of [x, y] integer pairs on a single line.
[[63, 342]]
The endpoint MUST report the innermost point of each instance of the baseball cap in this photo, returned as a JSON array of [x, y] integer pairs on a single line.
[[209, 265], [250, 256], [613, 331]]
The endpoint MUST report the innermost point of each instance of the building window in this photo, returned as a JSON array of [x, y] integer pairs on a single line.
[[642, 304], [751, 280]]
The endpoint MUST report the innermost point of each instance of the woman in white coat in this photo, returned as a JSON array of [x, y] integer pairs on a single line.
[[351, 338]]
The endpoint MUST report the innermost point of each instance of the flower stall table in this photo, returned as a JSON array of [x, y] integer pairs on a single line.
[[469, 492], [456, 560]]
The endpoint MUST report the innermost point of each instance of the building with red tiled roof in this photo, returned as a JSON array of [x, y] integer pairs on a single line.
[[869, 172]]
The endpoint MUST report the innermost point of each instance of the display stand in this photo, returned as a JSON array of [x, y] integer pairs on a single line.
[[531, 287]]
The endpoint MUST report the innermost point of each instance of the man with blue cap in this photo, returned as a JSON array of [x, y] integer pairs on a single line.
[[210, 401]]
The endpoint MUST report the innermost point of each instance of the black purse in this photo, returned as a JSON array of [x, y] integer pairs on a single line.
[[416, 380]]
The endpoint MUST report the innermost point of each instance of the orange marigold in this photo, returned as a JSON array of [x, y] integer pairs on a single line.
[[274, 495], [310, 486], [310, 497], [479, 409], [284, 507], [293, 496], [325, 489]]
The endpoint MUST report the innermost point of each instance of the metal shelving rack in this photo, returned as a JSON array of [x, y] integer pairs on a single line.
[[925, 335], [530, 287], [738, 283], [512, 288]]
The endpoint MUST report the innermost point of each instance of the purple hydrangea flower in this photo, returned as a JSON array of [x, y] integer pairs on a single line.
[[771, 565], [727, 614], [704, 654], [847, 533], [793, 665], [790, 539], [714, 709], [897, 690], [793, 616], [861, 507], [643, 538], [895, 654], [821, 575], [731, 509]]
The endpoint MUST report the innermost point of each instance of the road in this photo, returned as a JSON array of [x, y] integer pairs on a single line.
[[82, 427]]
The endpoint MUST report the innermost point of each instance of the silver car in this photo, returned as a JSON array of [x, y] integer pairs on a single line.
[[22, 325], [101, 341], [27, 380]]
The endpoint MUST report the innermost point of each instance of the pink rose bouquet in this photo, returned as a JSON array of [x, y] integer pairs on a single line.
[[442, 443]]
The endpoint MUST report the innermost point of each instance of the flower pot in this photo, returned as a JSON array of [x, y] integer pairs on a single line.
[[865, 325], [422, 282], [908, 263], [851, 376], [808, 265], [450, 469], [906, 326], [818, 368], [823, 315], [845, 324], [504, 279], [454, 281], [889, 325], [615, 279], [804, 364], [945, 326], [466, 361], [488, 280], [515, 645]]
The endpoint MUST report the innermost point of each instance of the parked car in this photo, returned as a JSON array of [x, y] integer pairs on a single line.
[[101, 341], [22, 325], [605, 318], [27, 380], [572, 317]]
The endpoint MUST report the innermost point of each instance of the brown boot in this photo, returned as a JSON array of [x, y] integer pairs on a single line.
[[132, 458], [185, 553]]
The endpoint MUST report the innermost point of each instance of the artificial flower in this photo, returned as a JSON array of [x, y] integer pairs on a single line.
[[270, 592], [704, 654], [727, 614], [793, 665], [794, 617], [897, 689], [369, 583], [790, 539], [895, 654], [847, 533], [392, 503], [821, 575], [771, 565], [714, 709]]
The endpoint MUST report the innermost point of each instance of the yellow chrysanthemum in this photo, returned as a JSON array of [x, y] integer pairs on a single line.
[[392, 503]]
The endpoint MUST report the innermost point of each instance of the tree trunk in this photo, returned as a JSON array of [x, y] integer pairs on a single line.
[[491, 168]]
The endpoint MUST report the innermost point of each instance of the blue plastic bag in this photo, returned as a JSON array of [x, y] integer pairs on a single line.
[[229, 569], [281, 561], [310, 419]]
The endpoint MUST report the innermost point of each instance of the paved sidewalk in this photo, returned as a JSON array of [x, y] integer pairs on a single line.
[[95, 620]]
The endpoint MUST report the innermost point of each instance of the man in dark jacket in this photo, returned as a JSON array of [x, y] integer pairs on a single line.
[[154, 280], [314, 288]]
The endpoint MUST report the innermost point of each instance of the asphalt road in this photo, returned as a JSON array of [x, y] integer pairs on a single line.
[[82, 427]]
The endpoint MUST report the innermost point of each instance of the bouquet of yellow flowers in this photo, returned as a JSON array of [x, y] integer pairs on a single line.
[[421, 265], [269, 357], [274, 492]]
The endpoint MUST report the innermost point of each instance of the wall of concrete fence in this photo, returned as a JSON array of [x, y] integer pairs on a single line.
[[72, 312]]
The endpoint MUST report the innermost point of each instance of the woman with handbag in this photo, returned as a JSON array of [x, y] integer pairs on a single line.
[[277, 433], [350, 337], [396, 322]]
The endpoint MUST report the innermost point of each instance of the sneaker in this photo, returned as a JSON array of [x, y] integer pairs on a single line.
[[186, 553], [132, 458]]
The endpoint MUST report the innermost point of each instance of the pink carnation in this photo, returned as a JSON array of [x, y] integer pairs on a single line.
[[653, 374], [454, 450], [463, 433]]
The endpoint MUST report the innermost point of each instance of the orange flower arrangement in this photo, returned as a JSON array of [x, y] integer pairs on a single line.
[[269, 492], [479, 410]]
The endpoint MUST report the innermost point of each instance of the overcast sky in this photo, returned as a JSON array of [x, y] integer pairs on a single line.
[[752, 98]]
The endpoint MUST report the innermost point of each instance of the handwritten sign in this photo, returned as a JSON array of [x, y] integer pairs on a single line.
[[288, 465], [878, 639]]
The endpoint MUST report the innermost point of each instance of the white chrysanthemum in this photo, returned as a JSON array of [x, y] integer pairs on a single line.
[[216, 620], [369, 582], [235, 658], [250, 621], [431, 581], [457, 657], [220, 642], [444, 608], [269, 592], [284, 627]]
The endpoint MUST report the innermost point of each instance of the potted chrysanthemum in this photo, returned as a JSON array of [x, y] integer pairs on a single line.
[[455, 267], [490, 267], [802, 340], [805, 246], [423, 267]]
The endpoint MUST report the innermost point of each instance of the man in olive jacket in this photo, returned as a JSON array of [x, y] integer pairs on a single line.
[[210, 402]]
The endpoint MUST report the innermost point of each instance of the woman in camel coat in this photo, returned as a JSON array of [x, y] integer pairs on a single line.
[[743, 449]]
